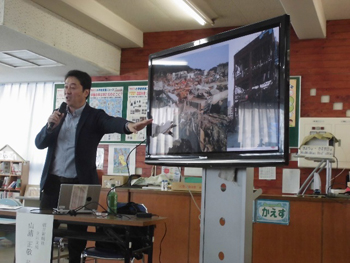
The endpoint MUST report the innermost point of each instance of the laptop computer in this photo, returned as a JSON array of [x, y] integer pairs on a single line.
[[81, 198]]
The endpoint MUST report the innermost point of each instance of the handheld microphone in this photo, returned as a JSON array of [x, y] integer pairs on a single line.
[[62, 109]]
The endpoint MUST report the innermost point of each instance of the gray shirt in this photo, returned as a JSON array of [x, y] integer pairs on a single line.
[[64, 161]]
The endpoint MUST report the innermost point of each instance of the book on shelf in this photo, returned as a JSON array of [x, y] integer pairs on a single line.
[[5, 182], [16, 169], [5, 167], [12, 185]]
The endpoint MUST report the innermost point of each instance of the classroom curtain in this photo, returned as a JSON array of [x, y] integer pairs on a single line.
[[24, 110]]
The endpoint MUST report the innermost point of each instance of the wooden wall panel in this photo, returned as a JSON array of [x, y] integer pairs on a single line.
[[176, 208], [300, 241], [336, 229], [194, 230], [323, 64]]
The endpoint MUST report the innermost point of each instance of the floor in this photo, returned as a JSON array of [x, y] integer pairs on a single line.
[[7, 252]]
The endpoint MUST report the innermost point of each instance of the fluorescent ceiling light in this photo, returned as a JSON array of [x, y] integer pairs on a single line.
[[25, 59], [194, 12]]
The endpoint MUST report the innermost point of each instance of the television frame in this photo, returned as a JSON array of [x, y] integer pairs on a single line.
[[273, 156]]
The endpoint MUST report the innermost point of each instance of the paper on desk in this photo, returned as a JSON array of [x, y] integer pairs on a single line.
[[139, 181], [9, 207], [152, 180]]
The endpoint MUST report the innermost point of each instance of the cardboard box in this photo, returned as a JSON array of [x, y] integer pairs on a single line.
[[195, 187], [107, 180]]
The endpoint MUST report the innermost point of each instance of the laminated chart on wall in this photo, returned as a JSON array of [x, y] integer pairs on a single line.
[[121, 159], [59, 98], [294, 110], [109, 99], [137, 110]]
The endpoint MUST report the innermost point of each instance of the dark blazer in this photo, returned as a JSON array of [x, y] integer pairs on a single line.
[[93, 124]]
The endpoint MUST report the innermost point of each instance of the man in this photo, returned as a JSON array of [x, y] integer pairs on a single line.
[[72, 139]]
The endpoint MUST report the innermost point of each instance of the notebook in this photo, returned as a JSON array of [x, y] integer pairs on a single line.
[[76, 196]]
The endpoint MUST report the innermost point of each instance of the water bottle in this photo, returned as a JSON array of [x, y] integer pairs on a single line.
[[164, 185], [112, 201]]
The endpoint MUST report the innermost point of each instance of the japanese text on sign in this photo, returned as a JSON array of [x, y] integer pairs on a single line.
[[272, 211], [33, 238]]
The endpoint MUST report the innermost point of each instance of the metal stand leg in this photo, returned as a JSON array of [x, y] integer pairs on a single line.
[[328, 177], [323, 164], [227, 214], [310, 178]]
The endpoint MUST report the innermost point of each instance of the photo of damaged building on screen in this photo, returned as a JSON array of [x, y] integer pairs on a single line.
[[254, 111], [201, 100]]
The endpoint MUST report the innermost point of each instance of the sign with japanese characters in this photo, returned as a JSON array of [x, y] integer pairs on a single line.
[[33, 238], [272, 211], [316, 151], [137, 110]]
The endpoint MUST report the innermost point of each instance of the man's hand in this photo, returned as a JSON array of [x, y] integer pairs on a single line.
[[55, 118], [134, 127]]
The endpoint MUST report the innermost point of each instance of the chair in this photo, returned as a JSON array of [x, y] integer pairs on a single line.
[[106, 254], [60, 243], [9, 234], [110, 254], [10, 202]]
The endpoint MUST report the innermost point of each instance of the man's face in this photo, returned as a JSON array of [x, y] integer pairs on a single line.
[[74, 94]]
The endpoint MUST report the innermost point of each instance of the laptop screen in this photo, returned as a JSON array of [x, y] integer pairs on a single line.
[[80, 197]]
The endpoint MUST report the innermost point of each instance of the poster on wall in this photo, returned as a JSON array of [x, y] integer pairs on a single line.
[[59, 98], [116, 100], [294, 111], [121, 159], [109, 99], [137, 110]]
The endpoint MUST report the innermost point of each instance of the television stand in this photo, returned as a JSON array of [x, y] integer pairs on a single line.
[[227, 215]]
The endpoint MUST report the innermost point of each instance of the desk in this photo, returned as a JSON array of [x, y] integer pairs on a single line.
[[32, 201], [130, 224]]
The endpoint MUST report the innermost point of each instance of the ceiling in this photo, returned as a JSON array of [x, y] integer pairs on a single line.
[[89, 34]]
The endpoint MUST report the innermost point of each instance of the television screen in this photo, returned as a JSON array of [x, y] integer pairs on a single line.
[[222, 100]]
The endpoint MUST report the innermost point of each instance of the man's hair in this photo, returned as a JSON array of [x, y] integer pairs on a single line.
[[83, 77]]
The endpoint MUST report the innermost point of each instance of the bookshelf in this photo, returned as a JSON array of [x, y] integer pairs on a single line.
[[14, 173]]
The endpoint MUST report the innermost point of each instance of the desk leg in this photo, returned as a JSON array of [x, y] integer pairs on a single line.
[[150, 236], [127, 245]]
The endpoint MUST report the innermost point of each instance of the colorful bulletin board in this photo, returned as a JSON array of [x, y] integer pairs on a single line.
[[294, 111], [126, 99]]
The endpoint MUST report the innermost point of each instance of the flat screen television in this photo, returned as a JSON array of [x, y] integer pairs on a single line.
[[222, 100]]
